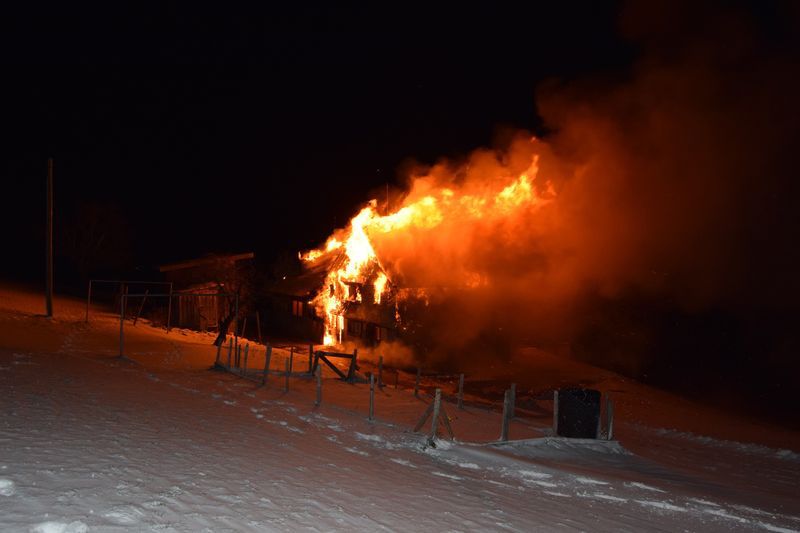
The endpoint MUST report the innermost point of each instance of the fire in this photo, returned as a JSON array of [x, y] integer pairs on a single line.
[[359, 266], [380, 286]]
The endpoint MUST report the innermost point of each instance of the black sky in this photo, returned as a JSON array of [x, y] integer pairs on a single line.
[[192, 131], [231, 131]]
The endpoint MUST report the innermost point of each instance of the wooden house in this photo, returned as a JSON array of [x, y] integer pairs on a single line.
[[196, 281]]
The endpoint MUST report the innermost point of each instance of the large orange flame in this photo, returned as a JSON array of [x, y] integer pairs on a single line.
[[359, 264]]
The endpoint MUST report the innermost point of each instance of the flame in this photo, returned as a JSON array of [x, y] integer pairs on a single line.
[[359, 265], [380, 286]]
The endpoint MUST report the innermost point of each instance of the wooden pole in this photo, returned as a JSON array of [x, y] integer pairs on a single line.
[[372, 397], [236, 325], [610, 415], [424, 417], [267, 357], [380, 371], [446, 421], [258, 327], [286, 373], [310, 358], [351, 373], [506, 416], [416, 383], [291, 359], [513, 407], [169, 312], [88, 300], [49, 243], [319, 386], [599, 429], [125, 293], [121, 325], [437, 404], [461, 391], [555, 413], [141, 306], [246, 353]]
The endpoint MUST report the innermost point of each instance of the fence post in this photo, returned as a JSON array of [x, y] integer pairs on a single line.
[[311, 359], [351, 373], [236, 325], [372, 396], [461, 391], [437, 404], [169, 312], [88, 300], [286, 373], [610, 415], [219, 348], [506, 416], [267, 357], [121, 324], [416, 384], [599, 429], [246, 353], [319, 385], [555, 413], [380, 371], [291, 359], [513, 407]]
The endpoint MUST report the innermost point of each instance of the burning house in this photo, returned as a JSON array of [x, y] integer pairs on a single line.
[[446, 251], [320, 307]]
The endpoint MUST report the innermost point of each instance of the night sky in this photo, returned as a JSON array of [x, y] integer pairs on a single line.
[[179, 132], [226, 132]]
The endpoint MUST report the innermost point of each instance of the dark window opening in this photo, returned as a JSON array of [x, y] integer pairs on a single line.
[[354, 328]]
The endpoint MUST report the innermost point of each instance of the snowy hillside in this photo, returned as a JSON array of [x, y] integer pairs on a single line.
[[158, 442]]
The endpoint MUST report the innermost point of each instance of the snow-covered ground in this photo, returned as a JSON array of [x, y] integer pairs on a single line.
[[158, 442]]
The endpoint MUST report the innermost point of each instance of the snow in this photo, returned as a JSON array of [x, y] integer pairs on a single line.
[[158, 442]]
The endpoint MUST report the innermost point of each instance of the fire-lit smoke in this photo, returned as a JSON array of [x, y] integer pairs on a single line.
[[672, 185], [430, 243]]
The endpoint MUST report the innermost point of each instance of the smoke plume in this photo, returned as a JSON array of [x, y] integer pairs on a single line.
[[668, 192]]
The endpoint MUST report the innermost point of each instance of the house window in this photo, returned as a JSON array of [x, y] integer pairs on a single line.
[[354, 328], [297, 308]]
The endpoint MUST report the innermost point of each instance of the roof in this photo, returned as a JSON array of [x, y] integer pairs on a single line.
[[209, 260], [309, 282]]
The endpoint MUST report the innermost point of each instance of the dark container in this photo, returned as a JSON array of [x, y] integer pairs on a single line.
[[578, 413]]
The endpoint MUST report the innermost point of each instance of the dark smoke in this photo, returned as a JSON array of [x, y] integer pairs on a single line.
[[671, 251]]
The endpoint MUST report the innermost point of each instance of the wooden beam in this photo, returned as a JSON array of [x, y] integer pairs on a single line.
[[333, 367]]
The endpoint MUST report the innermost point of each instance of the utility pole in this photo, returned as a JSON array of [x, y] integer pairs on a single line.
[[49, 239]]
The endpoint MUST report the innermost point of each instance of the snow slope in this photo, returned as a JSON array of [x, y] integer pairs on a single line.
[[157, 442]]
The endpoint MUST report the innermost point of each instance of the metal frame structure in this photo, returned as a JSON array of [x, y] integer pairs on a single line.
[[123, 283]]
